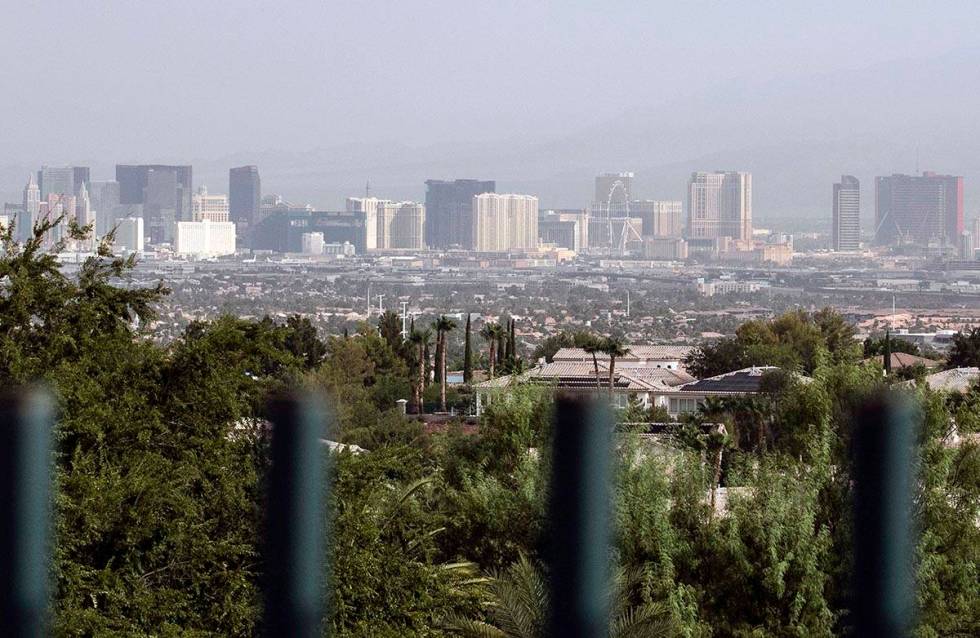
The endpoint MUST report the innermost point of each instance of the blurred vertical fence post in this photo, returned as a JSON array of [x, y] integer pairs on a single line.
[[579, 519], [883, 478], [294, 561], [26, 421]]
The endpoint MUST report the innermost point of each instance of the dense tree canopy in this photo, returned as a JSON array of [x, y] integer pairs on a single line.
[[737, 524]]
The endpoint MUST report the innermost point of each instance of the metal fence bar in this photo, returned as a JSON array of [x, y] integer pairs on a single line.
[[580, 519], [26, 420], [294, 562], [883, 470]]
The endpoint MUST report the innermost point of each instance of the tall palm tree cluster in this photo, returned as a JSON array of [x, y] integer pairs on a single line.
[[502, 348]]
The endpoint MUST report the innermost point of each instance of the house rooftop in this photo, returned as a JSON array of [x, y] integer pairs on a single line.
[[744, 381]]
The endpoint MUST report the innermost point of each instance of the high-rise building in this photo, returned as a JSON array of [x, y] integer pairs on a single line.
[[244, 197], [719, 204], [129, 234], [922, 210], [81, 175], [30, 211], [660, 218], [205, 238], [85, 215], [401, 226], [449, 211], [847, 214], [105, 202], [312, 243], [610, 200], [505, 222], [209, 207], [976, 233], [568, 229], [56, 180], [965, 248], [613, 194], [164, 193], [370, 206]]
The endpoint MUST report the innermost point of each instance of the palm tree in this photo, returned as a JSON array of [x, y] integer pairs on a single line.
[[443, 325], [518, 607], [491, 332], [420, 339], [593, 347], [614, 347]]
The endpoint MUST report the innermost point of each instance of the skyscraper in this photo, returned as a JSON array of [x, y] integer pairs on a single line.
[[401, 226], [505, 222], [244, 197], [30, 211], [56, 180], [81, 175], [918, 209], [105, 201], [449, 211], [847, 214], [661, 218], [719, 204], [613, 193], [213, 208], [164, 192]]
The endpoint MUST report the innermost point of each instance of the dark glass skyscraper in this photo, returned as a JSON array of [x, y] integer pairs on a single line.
[[244, 197], [847, 214], [918, 209], [449, 211], [163, 191]]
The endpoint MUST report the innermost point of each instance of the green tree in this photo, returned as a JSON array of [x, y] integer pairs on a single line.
[[444, 325], [965, 351], [468, 353], [518, 607], [492, 332]]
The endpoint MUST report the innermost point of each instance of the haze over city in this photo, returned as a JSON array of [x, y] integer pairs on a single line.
[[326, 96], [462, 319]]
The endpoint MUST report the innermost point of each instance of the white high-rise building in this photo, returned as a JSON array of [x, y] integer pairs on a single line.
[[720, 205], [846, 231], [129, 235], [205, 238], [212, 208], [505, 222], [312, 243], [369, 206]]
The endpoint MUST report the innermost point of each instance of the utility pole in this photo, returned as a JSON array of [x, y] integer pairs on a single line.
[[381, 304], [369, 300], [627, 303], [404, 320]]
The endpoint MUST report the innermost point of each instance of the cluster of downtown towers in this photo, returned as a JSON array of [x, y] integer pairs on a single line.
[[924, 210], [921, 210]]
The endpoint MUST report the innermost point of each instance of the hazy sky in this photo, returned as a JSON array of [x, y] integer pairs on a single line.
[[199, 79]]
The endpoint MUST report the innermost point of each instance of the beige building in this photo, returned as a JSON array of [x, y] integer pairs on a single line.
[[212, 208], [661, 218], [664, 248], [505, 222], [720, 205], [391, 225], [401, 225]]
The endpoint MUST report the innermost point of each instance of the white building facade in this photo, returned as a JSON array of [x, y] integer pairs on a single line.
[[205, 238]]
